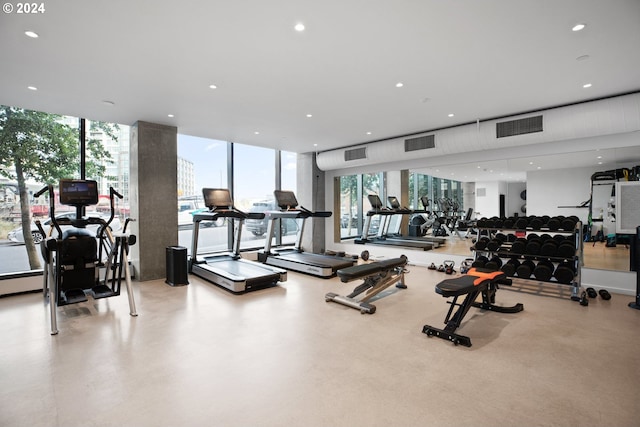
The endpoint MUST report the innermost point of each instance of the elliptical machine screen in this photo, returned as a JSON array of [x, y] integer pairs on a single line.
[[78, 192]]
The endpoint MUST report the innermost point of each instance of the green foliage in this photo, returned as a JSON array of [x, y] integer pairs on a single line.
[[41, 147]]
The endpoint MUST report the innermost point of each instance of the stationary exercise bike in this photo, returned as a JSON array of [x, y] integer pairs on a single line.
[[73, 258]]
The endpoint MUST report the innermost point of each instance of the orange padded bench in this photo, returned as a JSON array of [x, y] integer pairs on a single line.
[[476, 282]]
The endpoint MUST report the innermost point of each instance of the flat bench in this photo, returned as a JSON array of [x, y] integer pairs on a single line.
[[377, 277]]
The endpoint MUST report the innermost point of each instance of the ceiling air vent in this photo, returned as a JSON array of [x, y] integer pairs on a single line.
[[519, 127], [355, 154], [420, 143]]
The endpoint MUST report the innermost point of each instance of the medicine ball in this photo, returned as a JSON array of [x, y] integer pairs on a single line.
[[494, 264], [525, 269], [564, 273], [509, 268], [543, 270]]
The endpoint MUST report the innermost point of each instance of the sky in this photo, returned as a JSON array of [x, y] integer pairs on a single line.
[[254, 165]]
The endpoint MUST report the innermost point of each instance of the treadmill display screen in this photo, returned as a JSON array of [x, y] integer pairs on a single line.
[[393, 201], [375, 201], [78, 192], [285, 199], [217, 198]]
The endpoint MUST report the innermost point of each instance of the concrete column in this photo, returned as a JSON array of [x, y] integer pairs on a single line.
[[310, 193], [153, 189]]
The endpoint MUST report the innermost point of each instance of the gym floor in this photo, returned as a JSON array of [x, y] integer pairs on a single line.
[[199, 356]]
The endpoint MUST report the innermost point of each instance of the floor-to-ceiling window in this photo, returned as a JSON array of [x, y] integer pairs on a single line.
[[39, 149]]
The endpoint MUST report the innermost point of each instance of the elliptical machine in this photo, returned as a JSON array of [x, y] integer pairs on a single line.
[[72, 258]]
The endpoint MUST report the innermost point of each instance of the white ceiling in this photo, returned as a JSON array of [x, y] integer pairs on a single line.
[[475, 59]]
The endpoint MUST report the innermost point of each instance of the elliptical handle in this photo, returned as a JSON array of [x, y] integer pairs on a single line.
[[112, 191], [42, 191]]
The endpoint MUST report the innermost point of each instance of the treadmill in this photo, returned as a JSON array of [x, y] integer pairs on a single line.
[[229, 270], [394, 203], [295, 258], [381, 237]]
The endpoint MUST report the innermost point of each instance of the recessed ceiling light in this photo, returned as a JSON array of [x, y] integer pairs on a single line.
[[539, 167], [599, 157], [32, 88], [315, 145], [257, 133], [109, 103], [213, 87], [309, 115], [368, 133], [586, 85], [450, 115], [599, 163], [170, 115], [31, 34], [578, 27], [530, 163], [299, 27], [399, 84]]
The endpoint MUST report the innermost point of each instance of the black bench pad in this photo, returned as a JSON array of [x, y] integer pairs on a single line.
[[364, 270], [476, 278]]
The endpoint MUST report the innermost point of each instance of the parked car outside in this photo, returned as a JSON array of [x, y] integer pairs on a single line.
[[258, 227], [188, 208], [16, 235]]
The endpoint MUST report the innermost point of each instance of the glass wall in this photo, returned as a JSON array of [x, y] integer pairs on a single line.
[[202, 163], [256, 173], [39, 149]]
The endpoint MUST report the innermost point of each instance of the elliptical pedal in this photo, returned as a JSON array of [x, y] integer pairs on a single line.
[[102, 291], [72, 296]]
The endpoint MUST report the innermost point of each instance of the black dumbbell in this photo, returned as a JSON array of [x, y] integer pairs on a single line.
[[502, 237], [525, 269], [481, 243], [533, 246], [509, 268], [569, 223], [566, 250], [508, 223], [536, 223], [480, 262], [564, 273], [494, 245], [494, 264], [549, 248], [554, 223], [543, 270], [521, 223], [559, 238], [519, 246]]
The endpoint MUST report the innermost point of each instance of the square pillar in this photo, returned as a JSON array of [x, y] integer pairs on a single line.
[[153, 190]]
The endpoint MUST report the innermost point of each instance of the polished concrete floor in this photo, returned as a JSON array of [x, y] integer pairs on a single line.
[[199, 356]]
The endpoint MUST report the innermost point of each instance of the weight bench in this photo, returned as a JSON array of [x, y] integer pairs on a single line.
[[377, 276], [476, 281]]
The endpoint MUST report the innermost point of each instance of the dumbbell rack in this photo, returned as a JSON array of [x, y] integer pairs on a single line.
[[504, 252]]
